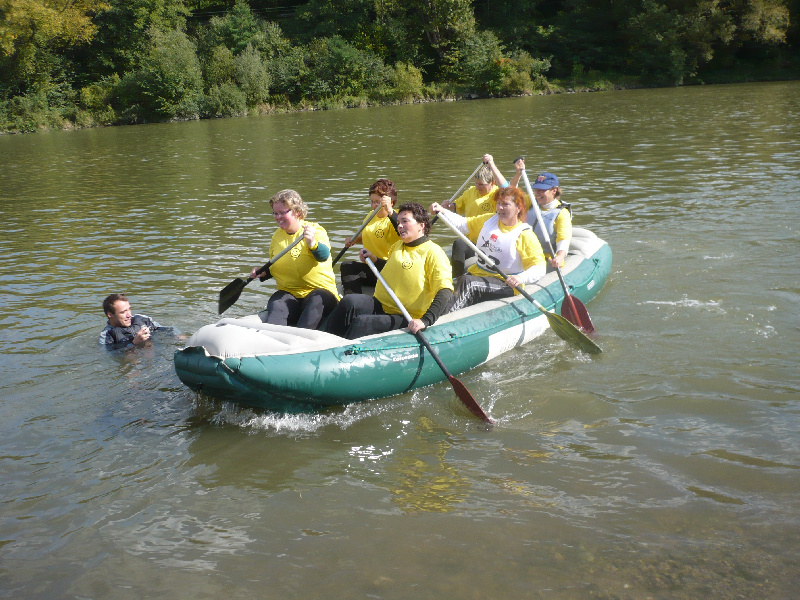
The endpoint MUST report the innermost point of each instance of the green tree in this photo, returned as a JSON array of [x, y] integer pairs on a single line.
[[252, 76], [764, 21], [341, 69], [446, 23], [238, 28], [34, 35], [478, 62], [219, 67], [168, 83]]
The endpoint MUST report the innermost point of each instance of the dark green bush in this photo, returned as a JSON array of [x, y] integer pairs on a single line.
[[289, 73], [169, 82], [45, 108], [339, 68], [252, 76], [407, 82], [224, 100]]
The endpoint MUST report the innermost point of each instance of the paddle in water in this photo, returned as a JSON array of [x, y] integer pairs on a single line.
[[572, 308], [460, 389], [559, 324], [231, 292]]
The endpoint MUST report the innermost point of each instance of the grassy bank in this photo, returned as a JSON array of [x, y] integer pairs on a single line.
[[40, 112]]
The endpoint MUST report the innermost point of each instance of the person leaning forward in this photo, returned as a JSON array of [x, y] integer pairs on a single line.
[[123, 327], [417, 270], [304, 276]]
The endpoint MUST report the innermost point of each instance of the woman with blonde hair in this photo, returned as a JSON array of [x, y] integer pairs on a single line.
[[304, 276]]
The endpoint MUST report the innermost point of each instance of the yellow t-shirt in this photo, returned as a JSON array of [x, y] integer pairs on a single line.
[[470, 204], [297, 271], [379, 236], [563, 227], [415, 274]]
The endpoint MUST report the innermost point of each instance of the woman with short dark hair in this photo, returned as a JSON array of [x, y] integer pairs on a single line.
[[378, 236], [416, 269]]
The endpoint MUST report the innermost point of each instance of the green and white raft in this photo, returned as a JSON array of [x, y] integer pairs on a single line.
[[288, 369]]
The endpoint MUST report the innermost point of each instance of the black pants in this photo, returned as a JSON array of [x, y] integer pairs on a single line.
[[471, 289], [307, 313], [354, 275], [358, 315], [461, 252]]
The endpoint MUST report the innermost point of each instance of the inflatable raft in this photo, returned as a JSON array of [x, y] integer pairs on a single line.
[[288, 369]]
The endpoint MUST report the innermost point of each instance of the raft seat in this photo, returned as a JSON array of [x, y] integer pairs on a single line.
[[248, 336]]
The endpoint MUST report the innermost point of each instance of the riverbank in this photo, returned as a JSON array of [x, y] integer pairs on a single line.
[[32, 114]]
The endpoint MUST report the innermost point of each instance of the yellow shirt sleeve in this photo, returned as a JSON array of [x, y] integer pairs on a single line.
[[563, 226], [530, 250]]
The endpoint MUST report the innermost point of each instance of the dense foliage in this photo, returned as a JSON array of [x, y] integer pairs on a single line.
[[86, 62]]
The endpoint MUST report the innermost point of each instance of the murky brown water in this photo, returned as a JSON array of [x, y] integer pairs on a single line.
[[666, 468]]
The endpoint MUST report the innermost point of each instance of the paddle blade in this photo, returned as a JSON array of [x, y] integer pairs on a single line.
[[574, 311], [569, 333], [230, 293], [469, 401]]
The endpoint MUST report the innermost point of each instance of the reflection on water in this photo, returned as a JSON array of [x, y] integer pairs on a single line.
[[420, 477], [666, 468]]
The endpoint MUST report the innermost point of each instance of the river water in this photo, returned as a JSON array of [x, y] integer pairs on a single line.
[[667, 467]]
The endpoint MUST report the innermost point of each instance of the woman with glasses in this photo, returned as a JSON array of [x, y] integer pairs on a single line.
[[304, 276]]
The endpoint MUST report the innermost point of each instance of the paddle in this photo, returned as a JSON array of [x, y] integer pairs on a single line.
[[230, 293], [458, 191], [561, 326], [357, 233], [571, 308], [460, 389]]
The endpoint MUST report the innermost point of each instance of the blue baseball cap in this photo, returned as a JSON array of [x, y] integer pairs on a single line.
[[545, 181]]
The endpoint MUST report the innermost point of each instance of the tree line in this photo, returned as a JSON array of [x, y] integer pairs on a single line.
[[77, 63]]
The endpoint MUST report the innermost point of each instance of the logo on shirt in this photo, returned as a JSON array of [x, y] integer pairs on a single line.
[[379, 233], [295, 252], [491, 244], [407, 264]]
